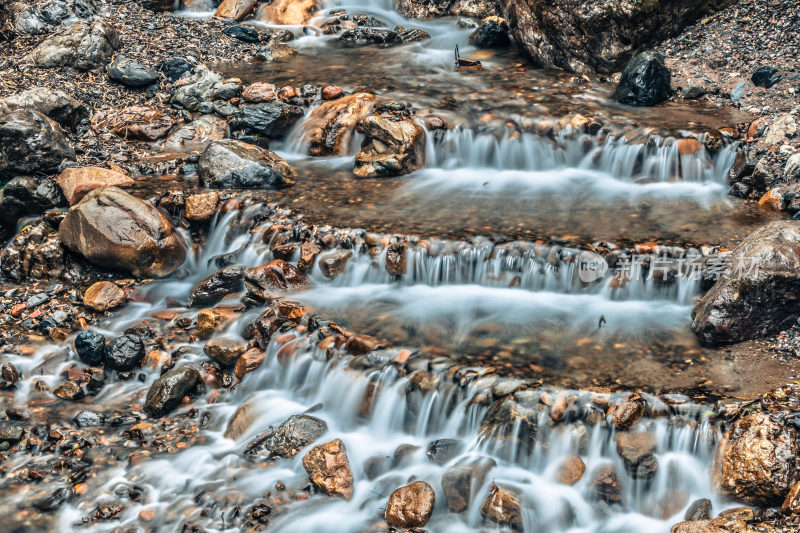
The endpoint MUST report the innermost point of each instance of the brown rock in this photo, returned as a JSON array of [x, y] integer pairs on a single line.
[[269, 279], [571, 470], [197, 134], [308, 255], [289, 12], [76, 182], [333, 262], [68, 390], [757, 460], [502, 506], [104, 295], [361, 344], [207, 320], [139, 122], [331, 92], [460, 482], [791, 505], [201, 207], [606, 485], [390, 148], [259, 92], [249, 361], [637, 450], [235, 9], [626, 414], [717, 525], [689, 146], [113, 229], [330, 126], [396, 259], [772, 200], [411, 505], [329, 469], [225, 350]]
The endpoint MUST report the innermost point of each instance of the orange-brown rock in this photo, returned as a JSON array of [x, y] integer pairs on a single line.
[[390, 148], [361, 344], [626, 414], [225, 350], [571, 470], [201, 207], [308, 254], [502, 506], [689, 146], [104, 295], [76, 182], [288, 12], [330, 126], [396, 259], [772, 200], [249, 361], [329, 469], [235, 9], [139, 122], [605, 485], [717, 525], [411, 505], [269, 279], [259, 92], [331, 92]]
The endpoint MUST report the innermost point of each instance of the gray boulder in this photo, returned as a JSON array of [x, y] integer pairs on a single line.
[[272, 119], [83, 46], [166, 392], [233, 164], [290, 437], [31, 143], [38, 17], [131, 73], [52, 103], [200, 89]]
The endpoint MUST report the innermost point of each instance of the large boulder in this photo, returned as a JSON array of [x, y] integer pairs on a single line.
[[331, 125], [131, 73], [197, 89], [272, 119], [113, 229], [329, 469], [597, 35], [758, 294], [492, 33], [235, 9], [294, 434], [757, 461], [288, 12], [411, 506], [237, 165], [390, 148], [75, 182], [40, 17], [166, 392], [26, 196], [54, 104], [502, 506], [645, 80], [31, 143], [83, 46], [423, 9]]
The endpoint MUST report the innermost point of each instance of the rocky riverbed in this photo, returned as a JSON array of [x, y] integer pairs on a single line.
[[292, 266]]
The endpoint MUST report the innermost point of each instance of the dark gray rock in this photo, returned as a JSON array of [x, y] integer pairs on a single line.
[[294, 434], [236, 165], [765, 76], [645, 80], [27, 196], [31, 143], [461, 482], [227, 281], [698, 510], [492, 33], [199, 90], [175, 69], [272, 119], [244, 33], [54, 104], [83, 46], [89, 419], [124, 353], [38, 17], [11, 434], [166, 392], [442, 451], [358, 37], [90, 347], [131, 73]]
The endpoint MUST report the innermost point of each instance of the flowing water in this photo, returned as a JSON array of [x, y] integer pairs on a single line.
[[505, 218]]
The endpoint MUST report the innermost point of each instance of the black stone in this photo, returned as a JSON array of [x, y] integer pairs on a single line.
[[90, 346], [765, 76], [645, 80], [272, 119], [131, 73], [244, 33], [174, 69], [27, 196], [89, 419], [369, 36], [166, 392], [124, 353], [490, 34], [220, 284]]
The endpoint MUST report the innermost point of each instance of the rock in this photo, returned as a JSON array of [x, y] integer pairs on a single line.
[[31, 143], [331, 92], [329, 469], [52, 501], [197, 89], [227, 281], [411, 35], [8, 375], [361, 344], [773, 199], [637, 451], [410, 506], [289, 12], [244, 33], [36, 252], [235, 9], [605, 485], [571, 470], [32, 18], [492, 33], [197, 134], [167, 392], [626, 414], [124, 353], [645, 80], [333, 262], [249, 361], [791, 505], [791, 172], [237, 165], [765, 76], [225, 350], [82, 46], [757, 294], [103, 296], [461, 482], [139, 122], [294, 434], [174, 69], [201, 207], [89, 419], [396, 259], [113, 229], [272, 119], [424, 9], [11, 434], [259, 92], [308, 255], [90, 347], [75, 182], [757, 461], [274, 50], [583, 36], [331, 124], [131, 73], [54, 104], [698, 510], [693, 91], [717, 525], [26, 196], [357, 37], [390, 148], [264, 281], [68, 390], [502, 506], [782, 128], [442, 451]]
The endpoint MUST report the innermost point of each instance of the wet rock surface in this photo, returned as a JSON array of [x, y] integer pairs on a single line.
[[83, 46], [167, 392], [329, 469], [410, 506], [297, 432], [31, 143], [234, 164], [644, 81]]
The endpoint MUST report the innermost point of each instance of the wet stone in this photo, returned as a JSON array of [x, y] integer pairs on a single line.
[[90, 347], [68, 390], [124, 353], [329, 469], [361, 344], [461, 481], [248, 361], [411, 506], [167, 392], [8, 375], [104, 296], [294, 434], [698, 510], [637, 450], [53, 500], [605, 485], [225, 350], [442, 451], [502, 506], [228, 280], [11, 434], [89, 419], [571, 470]]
